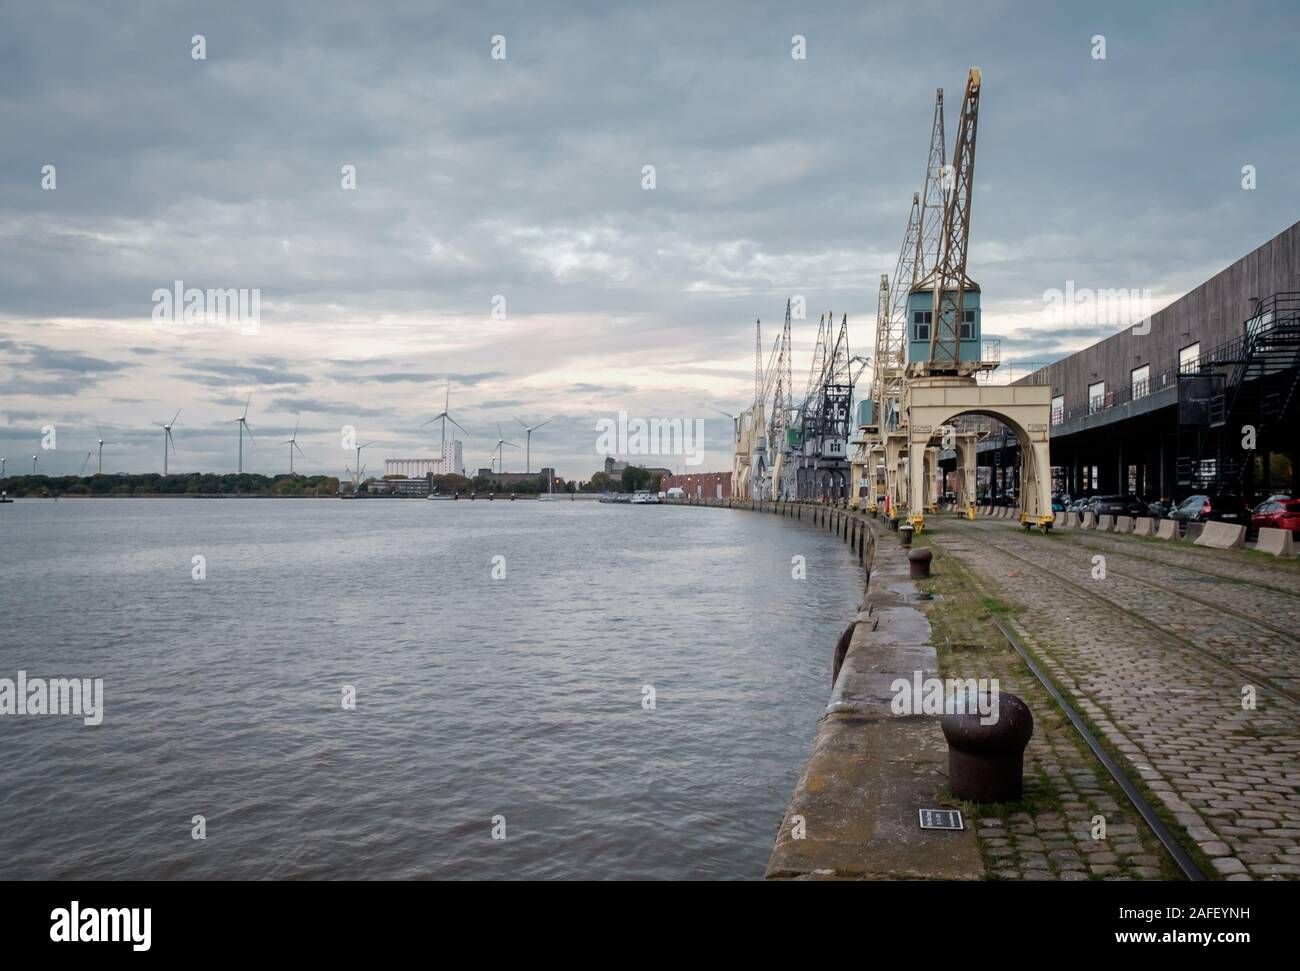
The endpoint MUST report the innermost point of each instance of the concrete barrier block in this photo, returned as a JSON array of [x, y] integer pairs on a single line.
[[1105, 522], [1142, 526], [1059, 520], [1222, 536], [1072, 520], [1088, 521], [1124, 524], [1168, 529], [1275, 541]]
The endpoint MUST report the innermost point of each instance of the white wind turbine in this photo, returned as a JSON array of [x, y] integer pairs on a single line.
[[735, 422], [501, 443], [35, 459], [444, 417], [361, 469], [528, 442], [243, 426], [292, 442], [167, 437], [99, 467]]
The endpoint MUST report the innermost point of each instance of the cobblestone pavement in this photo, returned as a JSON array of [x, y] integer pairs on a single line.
[[1162, 676], [1050, 834]]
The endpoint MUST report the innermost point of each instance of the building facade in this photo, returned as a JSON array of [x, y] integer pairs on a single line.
[[700, 485], [1199, 396]]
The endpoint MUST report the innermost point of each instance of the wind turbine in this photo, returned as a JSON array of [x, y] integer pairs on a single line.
[[99, 468], [292, 442], [501, 442], [361, 468], [444, 418], [243, 425], [167, 437], [2, 468], [528, 446], [35, 458], [735, 422]]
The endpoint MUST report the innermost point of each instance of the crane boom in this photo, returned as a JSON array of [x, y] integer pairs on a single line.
[[950, 280]]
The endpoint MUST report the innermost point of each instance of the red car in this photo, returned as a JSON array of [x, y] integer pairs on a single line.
[[1277, 514]]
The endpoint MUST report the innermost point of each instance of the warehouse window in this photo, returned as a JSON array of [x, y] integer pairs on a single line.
[[1189, 358], [1139, 381], [1058, 409], [1096, 397]]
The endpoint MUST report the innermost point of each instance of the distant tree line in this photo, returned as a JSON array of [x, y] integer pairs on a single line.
[[178, 484]]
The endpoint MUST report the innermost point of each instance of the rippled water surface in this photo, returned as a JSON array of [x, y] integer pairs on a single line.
[[476, 697]]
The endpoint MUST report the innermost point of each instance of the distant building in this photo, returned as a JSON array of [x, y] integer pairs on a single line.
[[700, 485], [449, 464], [508, 480], [614, 469], [398, 487], [413, 468]]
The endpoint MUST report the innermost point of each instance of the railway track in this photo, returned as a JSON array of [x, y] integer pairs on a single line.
[[1173, 565], [1163, 632], [1167, 839]]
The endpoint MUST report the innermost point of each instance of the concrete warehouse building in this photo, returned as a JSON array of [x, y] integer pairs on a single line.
[[1202, 394]]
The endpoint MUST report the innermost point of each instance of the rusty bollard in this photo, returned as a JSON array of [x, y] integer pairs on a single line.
[[905, 535], [918, 564], [893, 524], [986, 762]]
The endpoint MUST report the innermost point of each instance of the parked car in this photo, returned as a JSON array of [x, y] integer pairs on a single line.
[[1117, 506], [1283, 514], [1226, 507], [1159, 508], [1058, 504], [1079, 505]]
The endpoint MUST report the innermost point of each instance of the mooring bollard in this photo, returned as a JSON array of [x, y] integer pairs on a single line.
[[893, 524], [918, 564], [905, 535], [986, 761]]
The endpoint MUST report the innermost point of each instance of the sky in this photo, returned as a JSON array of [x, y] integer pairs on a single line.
[[500, 240]]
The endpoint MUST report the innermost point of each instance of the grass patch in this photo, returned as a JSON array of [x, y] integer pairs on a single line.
[[996, 607]]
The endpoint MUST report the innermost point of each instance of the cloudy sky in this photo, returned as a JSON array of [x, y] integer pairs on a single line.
[[521, 177]]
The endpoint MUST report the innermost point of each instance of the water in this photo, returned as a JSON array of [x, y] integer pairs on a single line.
[[476, 697]]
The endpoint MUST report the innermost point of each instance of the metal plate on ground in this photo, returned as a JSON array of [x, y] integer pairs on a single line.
[[940, 819]]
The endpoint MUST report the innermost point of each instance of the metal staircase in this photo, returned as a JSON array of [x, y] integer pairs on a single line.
[[1261, 382], [1261, 375]]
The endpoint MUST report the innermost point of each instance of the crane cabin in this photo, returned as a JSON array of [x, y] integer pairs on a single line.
[[921, 329]]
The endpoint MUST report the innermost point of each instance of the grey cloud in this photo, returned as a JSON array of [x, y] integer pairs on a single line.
[[522, 178]]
